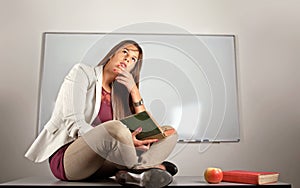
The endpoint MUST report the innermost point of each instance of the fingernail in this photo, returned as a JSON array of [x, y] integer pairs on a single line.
[[140, 129]]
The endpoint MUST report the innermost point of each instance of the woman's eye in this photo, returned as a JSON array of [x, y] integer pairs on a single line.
[[125, 51], [134, 60]]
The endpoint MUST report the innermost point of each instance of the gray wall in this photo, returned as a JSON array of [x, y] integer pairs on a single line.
[[268, 65]]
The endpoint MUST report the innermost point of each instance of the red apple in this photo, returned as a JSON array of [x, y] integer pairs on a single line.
[[213, 175]]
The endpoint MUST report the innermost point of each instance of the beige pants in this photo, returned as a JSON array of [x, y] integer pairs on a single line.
[[104, 150]]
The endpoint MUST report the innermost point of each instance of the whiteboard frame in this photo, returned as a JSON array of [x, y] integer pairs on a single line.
[[236, 139]]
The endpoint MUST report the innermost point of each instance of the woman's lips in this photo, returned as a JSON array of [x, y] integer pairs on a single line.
[[123, 65]]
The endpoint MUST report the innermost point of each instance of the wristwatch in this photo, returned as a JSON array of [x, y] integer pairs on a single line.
[[139, 103]]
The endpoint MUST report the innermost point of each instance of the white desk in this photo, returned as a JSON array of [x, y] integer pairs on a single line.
[[185, 181]]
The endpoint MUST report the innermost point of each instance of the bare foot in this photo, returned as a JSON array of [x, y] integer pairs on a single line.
[[161, 167], [169, 132]]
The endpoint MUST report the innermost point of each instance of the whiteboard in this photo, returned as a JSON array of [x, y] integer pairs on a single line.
[[187, 81]]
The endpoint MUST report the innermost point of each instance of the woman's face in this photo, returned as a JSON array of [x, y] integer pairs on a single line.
[[125, 58]]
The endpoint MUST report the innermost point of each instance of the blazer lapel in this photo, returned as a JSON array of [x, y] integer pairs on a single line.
[[98, 72]]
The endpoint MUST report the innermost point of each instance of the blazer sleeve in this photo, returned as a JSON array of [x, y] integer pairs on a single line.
[[75, 87]]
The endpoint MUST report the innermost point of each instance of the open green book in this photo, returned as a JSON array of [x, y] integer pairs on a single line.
[[151, 129]]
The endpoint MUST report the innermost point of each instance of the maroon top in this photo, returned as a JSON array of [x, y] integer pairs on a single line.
[[56, 159], [105, 112]]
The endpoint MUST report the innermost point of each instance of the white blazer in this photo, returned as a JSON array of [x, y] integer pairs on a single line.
[[77, 105]]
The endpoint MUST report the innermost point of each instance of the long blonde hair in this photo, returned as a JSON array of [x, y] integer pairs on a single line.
[[122, 104]]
